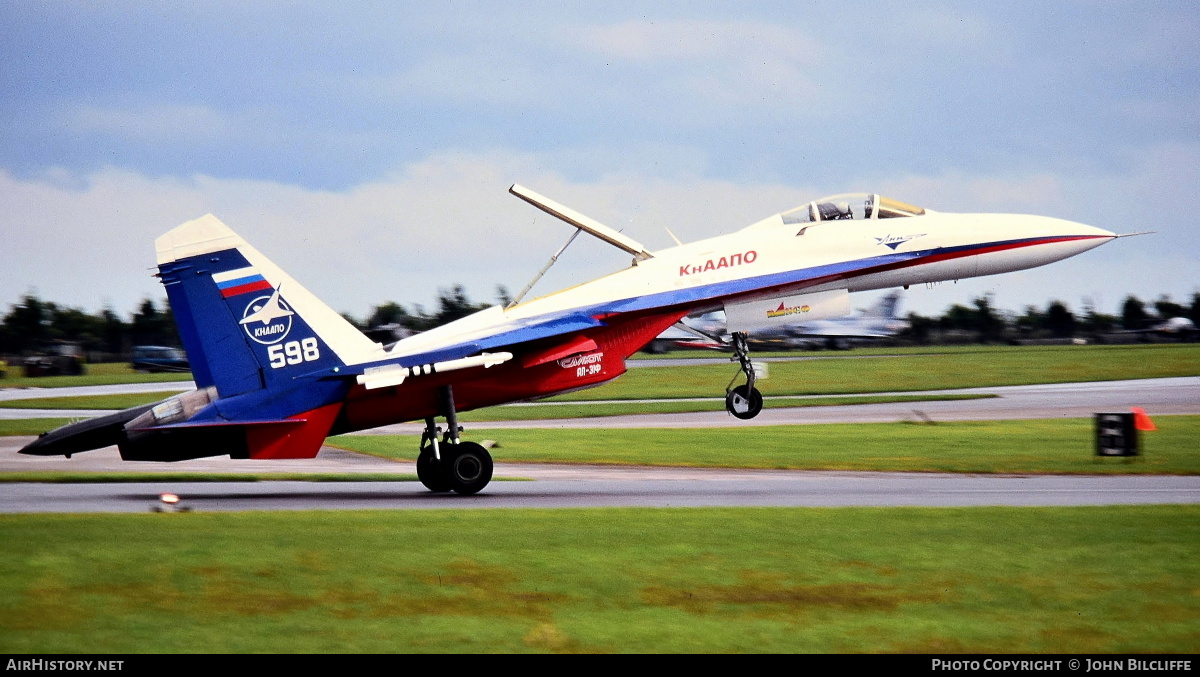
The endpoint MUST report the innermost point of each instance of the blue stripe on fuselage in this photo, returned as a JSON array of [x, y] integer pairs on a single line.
[[731, 288], [832, 271]]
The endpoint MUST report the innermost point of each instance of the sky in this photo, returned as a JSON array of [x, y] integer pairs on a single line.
[[367, 147]]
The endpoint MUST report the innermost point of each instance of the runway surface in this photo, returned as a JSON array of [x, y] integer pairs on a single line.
[[581, 487], [167, 387], [591, 486]]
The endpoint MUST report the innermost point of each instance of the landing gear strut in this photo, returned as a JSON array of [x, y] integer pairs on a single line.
[[451, 464], [744, 401]]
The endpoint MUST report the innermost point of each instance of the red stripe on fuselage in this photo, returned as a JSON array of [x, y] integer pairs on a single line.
[[927, 258], [965, 252], [989, 248]]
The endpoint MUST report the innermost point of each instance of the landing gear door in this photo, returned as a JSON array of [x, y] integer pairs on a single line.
[[783, 311]]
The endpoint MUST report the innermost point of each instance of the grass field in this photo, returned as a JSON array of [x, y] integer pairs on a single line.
[[971, 348], [116, 402], [97, 374], [908, 371], [30, 426], [1035, 446], [979, 580], [860, 371], [565, 409], [544, 410], [887, 371]]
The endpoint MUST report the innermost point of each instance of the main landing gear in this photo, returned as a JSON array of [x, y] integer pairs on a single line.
[[744, 401], [451, 464]]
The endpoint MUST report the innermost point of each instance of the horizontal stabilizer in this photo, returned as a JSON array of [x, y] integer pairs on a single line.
[[298, 436], [94, 433]]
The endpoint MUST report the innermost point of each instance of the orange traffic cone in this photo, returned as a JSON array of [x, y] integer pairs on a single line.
[[1141, 420]]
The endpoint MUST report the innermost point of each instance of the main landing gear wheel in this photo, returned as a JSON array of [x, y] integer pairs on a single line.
[[744, 402], [431, 471], [467, 467], [451, 465]]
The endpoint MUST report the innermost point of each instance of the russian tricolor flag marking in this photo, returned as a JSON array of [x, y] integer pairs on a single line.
[[240, 281]]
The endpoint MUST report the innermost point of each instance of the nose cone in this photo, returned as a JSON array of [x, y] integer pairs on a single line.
[[1047, 226], [1018, 242], [1085, 231], [1059, 239]]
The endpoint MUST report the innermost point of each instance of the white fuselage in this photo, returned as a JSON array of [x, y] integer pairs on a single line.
[[773, 259]]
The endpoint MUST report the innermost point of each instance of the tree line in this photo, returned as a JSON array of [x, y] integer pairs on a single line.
[[983, 322], [31, 324]]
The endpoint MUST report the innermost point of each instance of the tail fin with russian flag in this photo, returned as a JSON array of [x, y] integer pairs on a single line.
[[246, 324]]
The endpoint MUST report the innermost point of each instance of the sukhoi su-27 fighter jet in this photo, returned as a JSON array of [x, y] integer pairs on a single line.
[[277, 370]]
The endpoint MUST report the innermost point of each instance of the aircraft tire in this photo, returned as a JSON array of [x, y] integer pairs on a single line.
[[743, 402], [468, 468], [431, 472]]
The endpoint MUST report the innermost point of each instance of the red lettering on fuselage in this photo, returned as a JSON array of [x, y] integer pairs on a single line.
[[724, 262]]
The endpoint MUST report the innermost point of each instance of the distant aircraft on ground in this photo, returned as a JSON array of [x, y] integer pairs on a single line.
[[159, 358], [277, 370], [1172, 329], [880, 321]]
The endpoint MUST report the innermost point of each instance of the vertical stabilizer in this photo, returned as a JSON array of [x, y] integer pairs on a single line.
[[886, 307], [244, 322]]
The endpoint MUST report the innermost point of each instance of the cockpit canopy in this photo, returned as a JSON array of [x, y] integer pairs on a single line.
[[851, 206]]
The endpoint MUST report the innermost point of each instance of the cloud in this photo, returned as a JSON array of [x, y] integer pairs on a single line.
[[151, 123], [692, 74], [696, 40], [88, 239], [738, 64], [1041, 193]]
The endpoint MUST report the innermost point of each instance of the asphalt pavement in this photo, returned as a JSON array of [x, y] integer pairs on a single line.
[[576, 487], [581, 486]]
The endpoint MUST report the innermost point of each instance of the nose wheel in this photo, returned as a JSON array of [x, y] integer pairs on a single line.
[[744, 401]]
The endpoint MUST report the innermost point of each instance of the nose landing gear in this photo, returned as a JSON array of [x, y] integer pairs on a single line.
[[744, 401]]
